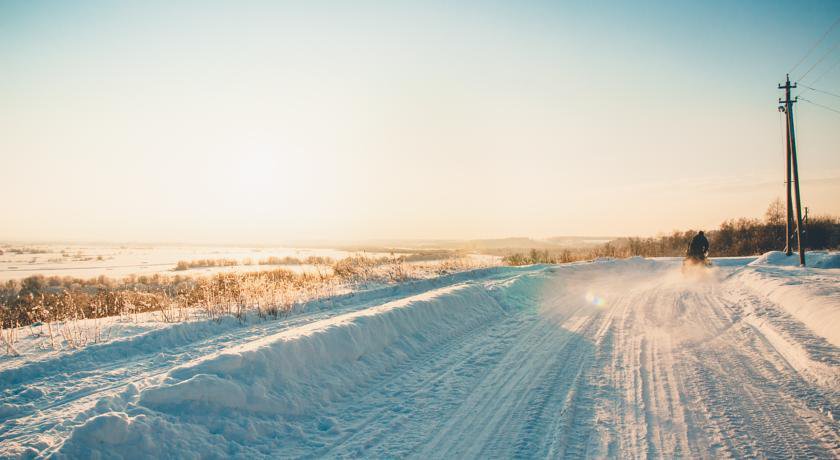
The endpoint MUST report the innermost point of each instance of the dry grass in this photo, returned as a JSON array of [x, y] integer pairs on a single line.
[[562, 256], [9, 337], [204, 263], [272, 260], [67, 311], [23, 250], [312, 260]]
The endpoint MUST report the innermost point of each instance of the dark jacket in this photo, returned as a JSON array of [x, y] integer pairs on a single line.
[[699, 246]]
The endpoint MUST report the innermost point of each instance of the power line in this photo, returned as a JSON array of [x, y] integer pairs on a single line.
[[826, 71], [811, 50], [820, 60], [820, 76], [820, 105], [819, 90]]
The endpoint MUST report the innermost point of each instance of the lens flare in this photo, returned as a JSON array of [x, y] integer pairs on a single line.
[[595, 299]]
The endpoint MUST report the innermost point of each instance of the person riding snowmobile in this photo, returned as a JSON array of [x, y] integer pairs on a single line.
[[699, 247]]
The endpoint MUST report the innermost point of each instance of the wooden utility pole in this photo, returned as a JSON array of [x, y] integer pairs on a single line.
[[792, 167], [789, 215]]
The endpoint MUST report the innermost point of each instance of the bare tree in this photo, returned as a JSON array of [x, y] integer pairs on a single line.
[[775, 214]]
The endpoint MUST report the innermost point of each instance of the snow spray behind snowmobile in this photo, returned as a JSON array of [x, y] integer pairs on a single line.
[[692, 261]]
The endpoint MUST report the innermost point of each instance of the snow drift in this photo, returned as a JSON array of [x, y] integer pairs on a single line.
[[813, 259], [228, 401], [811, 296]]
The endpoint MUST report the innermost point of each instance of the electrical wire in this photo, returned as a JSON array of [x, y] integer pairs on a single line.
[[826, 71], [819, 90], [819, 61], [820, 105], [819, 77], [811, 50]]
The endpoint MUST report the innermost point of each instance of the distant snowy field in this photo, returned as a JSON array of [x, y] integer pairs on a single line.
[[90, 261], [624, 358]]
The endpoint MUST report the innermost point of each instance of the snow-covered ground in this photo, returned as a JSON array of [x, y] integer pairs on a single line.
[[628, 358], [91, 261]]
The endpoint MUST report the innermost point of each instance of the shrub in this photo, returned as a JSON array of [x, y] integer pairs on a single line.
[[204, 263]]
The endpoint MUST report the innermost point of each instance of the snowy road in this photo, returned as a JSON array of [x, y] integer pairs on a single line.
[[614, 358]]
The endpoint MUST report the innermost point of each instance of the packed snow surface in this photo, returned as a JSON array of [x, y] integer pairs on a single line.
[[614, 358]]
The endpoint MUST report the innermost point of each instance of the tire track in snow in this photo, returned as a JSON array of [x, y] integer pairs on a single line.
[[378, 408], [743, 398], [495, 401], [485, 363], [666, 367]]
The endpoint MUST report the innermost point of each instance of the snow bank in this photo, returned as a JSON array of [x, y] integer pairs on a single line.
[[810, 295], [813, 259], [235, 401], [731, 261], [165, 337], [149, 337]]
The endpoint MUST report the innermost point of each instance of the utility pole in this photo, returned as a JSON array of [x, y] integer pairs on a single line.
[[789, 215], [792, 167]]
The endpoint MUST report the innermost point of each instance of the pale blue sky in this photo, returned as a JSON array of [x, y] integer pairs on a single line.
[[270, 121]]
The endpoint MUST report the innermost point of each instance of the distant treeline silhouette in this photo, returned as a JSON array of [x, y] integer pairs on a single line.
[[743, 237], [735, 237]]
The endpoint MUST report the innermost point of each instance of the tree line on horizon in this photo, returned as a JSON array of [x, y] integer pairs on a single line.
[[734, 237]]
